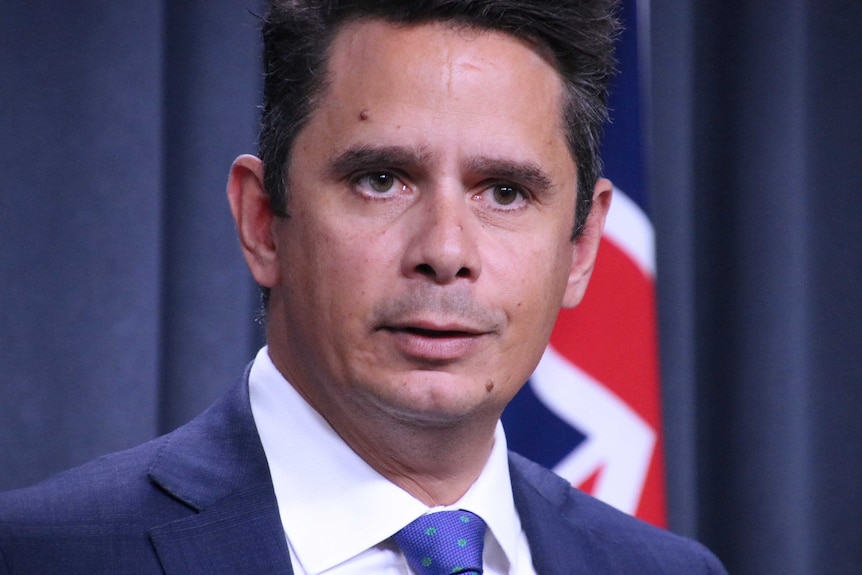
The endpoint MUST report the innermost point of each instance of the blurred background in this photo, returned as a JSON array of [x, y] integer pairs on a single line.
[[125, 307]]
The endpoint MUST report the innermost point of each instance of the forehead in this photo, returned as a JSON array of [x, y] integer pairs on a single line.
[[432, 41], [442, 87], [419, 55]]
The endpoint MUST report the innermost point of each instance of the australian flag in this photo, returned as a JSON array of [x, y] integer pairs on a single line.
[[591, 409]]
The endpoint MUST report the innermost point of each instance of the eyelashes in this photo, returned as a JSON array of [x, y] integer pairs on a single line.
[[388, 184]]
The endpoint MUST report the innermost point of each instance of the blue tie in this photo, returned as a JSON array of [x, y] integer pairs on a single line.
[[444, 543]]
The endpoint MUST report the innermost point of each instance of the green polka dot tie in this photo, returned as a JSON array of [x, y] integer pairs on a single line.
[[444, 543]]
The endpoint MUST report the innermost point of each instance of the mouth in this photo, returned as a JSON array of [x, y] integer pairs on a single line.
[[434, 333], [441, 343]]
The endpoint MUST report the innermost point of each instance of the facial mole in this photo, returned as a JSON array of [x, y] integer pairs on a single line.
[[489, 387], [364, 115]]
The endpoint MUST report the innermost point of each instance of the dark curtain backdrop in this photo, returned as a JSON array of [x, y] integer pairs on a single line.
[[756, 161], [125, 307]]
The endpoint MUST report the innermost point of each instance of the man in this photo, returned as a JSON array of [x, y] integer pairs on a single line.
[[427, 199]]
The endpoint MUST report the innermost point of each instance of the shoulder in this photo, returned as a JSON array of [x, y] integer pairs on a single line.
[[605, 539], [201, 453], [101, 488], [93, 518], [98, 517]]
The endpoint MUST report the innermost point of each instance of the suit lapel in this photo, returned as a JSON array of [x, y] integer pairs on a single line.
[[557, 545], [217, 467], [241, 534]]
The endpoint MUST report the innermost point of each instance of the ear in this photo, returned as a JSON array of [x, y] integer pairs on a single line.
[[586, 247], [254, 217]]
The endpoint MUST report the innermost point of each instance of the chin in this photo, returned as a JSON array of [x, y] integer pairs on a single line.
[[442, 401]]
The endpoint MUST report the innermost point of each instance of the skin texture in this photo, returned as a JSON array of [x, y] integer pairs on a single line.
[[415, 284]]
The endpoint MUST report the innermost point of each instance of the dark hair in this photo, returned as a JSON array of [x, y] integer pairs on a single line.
[[577, 34]]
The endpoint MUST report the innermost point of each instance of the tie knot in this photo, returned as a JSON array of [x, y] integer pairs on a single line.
[[444, 543]]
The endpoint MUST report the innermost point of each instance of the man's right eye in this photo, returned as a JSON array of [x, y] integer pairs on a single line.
[[379, 183]]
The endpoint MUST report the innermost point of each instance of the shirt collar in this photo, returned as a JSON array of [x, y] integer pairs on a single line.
[[333, 505]]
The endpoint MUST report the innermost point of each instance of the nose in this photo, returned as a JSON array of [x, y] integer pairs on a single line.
[[442, 245]]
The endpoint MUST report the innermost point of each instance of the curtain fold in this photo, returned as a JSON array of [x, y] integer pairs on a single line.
[[212, 90], [757, 148], [126, 306]]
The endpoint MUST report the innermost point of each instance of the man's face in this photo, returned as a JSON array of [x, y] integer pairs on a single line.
[[431, 202]]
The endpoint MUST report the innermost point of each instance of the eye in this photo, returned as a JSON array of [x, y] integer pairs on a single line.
[[503, 197], [378, 183], [381, 182]]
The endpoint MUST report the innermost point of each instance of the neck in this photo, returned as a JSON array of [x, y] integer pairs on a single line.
[[435, 461], [435, 464]]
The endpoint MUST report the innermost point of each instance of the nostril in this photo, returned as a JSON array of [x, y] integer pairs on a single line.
[[426, 270], [463, 273]]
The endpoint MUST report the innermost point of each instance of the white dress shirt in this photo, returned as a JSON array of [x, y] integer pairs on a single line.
[[339, 513]]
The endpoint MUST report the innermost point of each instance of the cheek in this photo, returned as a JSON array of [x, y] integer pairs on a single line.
[[534, 295], [534, 279], [352, 265]]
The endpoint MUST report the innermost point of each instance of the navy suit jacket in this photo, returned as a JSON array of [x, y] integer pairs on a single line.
[[199, 501]]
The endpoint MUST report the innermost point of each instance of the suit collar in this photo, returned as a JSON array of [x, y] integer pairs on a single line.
[[216, 466], [544, 501]]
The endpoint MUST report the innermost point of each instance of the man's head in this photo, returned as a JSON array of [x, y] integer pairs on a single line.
[[575, 36], [432, 190]]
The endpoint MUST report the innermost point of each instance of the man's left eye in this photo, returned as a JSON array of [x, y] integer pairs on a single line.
[[381, 182], [506, 195]]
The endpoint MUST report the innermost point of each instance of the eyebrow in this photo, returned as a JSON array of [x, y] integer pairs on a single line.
[[525, 173], [367, 157], [361, 158]]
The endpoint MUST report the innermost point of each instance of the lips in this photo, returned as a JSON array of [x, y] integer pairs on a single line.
[[435, 333], [435, 342]]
